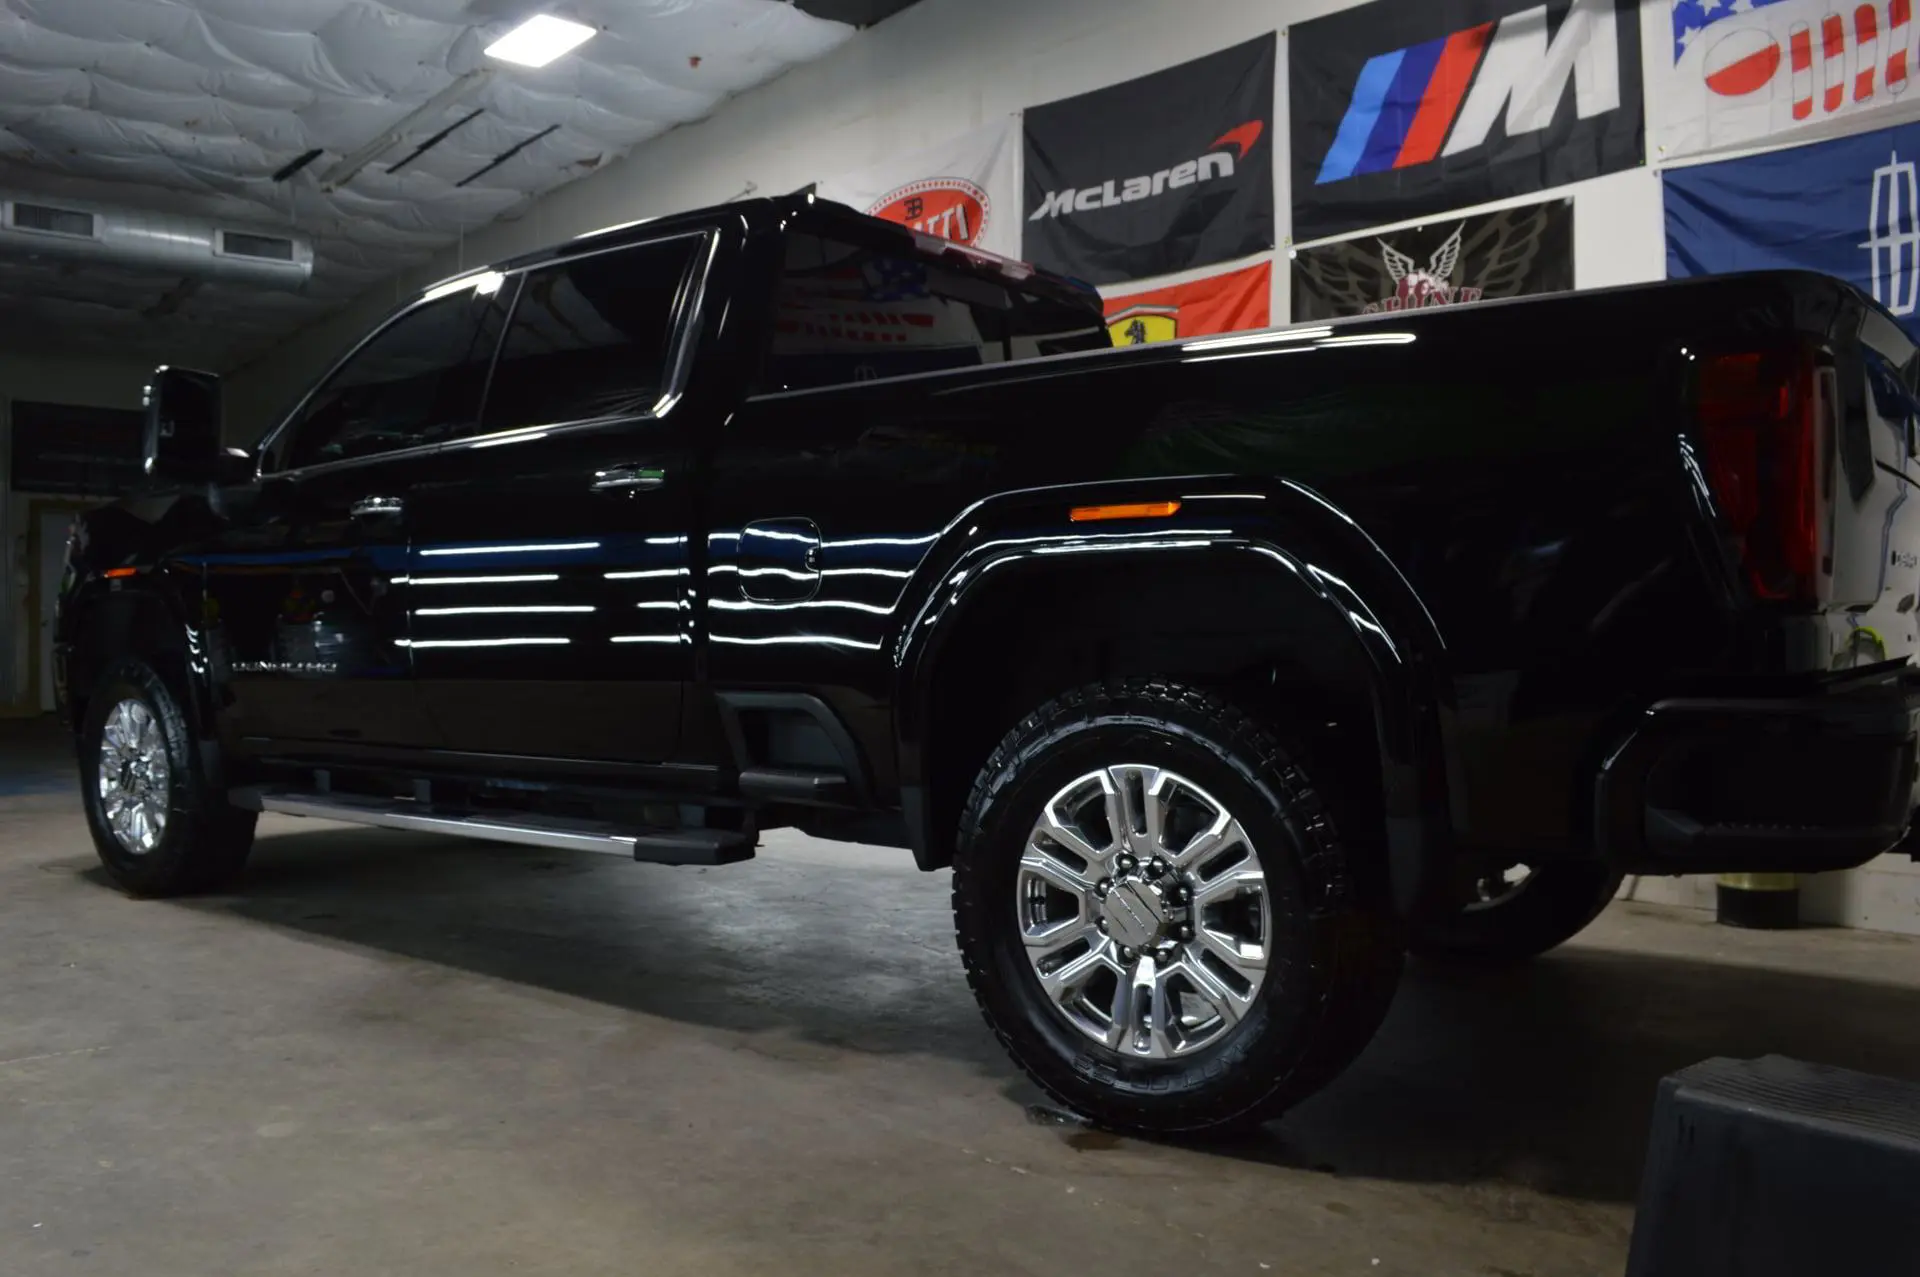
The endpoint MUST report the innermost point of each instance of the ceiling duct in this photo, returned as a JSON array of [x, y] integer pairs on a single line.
[[196, 246]]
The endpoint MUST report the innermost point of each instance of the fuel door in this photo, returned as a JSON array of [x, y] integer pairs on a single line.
[[780, 560]]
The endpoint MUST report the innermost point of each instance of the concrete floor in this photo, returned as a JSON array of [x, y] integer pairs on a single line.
[[400, 1054]]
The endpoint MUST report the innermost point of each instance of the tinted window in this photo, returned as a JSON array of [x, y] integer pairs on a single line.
[[418, 381], [591, 338], [846, 312], [850, 313]]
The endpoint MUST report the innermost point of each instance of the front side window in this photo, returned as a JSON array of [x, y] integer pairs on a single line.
[[592, 338], [417, 381]]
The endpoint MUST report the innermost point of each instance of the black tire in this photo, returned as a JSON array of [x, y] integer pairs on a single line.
[[1340, 958], [1552, 905], [205, 842]]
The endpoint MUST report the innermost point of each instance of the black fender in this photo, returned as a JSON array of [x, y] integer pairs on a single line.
[[147, 608], [1295, 537]]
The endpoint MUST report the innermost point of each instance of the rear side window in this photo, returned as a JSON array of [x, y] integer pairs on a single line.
[[417, 381], [850, 313], [591, 338]]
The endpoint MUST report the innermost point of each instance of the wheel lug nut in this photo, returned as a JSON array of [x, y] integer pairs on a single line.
[[1126, 954], [1101, 923], [1125, 864], [1186, 933], [1102, 887]]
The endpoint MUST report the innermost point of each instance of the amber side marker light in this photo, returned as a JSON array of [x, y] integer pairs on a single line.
[[114, 574], [1137, 510]]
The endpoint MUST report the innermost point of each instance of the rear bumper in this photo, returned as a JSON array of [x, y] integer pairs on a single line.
[[1803, 784]]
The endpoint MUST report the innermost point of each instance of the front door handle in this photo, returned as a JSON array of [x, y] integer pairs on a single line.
[[377, 508], [628, 479]]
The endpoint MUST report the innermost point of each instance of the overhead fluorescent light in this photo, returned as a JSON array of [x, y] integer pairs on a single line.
[[539, 40]]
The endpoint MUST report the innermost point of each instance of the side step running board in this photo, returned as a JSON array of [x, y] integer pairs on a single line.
[[656, 846]]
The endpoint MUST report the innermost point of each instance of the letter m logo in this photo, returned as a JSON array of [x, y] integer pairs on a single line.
[[1442, 97]]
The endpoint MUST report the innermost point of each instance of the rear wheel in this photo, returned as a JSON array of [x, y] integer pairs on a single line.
[[1519, 911], [1156, 915], [158, 826]]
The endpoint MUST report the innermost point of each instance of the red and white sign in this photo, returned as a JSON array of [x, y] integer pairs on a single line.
[[1224, 303], [1747, 72], [965, 190]]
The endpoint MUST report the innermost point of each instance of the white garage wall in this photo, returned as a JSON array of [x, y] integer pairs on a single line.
[[938, 69], [88, 382]]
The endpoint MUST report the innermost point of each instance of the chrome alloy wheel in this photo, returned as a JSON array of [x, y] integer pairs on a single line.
[[1144, 911], [134, 777]]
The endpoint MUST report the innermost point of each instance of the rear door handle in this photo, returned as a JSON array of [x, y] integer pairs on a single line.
[[628, 479], [377, 508]]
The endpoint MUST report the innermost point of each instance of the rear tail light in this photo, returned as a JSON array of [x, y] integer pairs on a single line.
[[1764, 439]]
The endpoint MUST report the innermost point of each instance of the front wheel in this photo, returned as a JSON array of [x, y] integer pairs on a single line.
[[1520, 911], [158, 826], [1157, 915]]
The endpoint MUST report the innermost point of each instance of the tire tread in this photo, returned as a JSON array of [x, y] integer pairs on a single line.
[[1358, 944]]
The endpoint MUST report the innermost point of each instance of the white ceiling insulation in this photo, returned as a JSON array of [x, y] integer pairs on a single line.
[[193, 106]]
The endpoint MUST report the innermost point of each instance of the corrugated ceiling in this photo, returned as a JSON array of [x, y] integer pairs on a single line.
[[194, 105]]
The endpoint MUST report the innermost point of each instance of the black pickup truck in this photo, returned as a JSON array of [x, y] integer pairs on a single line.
[[1221, 672]]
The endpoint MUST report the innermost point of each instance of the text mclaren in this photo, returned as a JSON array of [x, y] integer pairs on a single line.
[[1114, 191]]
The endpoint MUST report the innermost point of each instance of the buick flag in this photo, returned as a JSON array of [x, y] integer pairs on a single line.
[[1452, 261], [1405, 110], [1157, 175], [1739, 72], [1849, 208]]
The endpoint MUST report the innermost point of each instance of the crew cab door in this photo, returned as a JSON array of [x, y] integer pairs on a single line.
[[824, 505], [548, 573], [304, 590]]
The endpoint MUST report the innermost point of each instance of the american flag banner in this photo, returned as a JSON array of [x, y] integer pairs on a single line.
[[1746, 72]]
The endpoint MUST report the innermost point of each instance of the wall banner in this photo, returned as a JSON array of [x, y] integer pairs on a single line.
[[963, 190], [1157, 175], [1406, 110], [1848, 208], [1221, 303], [1511, 253], [1746, 72]]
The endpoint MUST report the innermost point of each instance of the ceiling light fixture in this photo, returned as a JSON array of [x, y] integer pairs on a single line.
[[539, 40]]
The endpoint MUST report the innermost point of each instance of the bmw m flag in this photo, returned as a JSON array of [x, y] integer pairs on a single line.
[[1848, 208], [1406, 110]]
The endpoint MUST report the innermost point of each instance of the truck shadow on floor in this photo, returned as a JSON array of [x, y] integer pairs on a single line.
[[1541, 1075]]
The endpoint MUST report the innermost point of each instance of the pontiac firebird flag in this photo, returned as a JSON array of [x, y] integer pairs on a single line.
[[1157, 175], [1404, 110], [1451, 261]]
